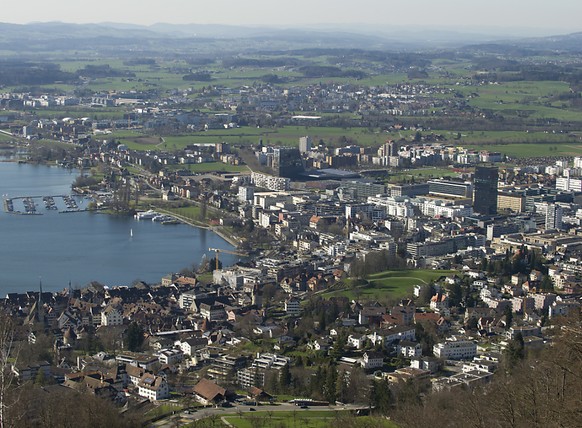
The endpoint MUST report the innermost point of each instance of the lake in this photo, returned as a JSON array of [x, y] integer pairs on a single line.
[[59, 248]]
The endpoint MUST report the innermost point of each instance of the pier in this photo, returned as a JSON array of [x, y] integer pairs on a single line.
[[29, 205]]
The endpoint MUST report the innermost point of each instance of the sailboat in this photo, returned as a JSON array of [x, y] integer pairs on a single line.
[[131, 233]]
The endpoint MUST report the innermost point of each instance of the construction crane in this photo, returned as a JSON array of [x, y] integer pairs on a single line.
[[219, 250]]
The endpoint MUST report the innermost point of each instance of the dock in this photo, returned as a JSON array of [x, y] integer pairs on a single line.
[[29, 205]]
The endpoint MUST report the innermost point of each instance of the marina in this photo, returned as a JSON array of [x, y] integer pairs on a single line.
[[29, 205]]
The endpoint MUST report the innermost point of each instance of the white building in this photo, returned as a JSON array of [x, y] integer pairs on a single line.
[[111, 316], [372, 360], [455, 349], [153, 387], [170, 356]]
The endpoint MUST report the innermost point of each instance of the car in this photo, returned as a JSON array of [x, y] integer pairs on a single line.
[[252, 409]]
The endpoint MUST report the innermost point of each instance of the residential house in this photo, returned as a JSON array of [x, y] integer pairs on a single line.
[[431, 364], [372, 360], [170, 356], [409, 349], [322, 344], [212, 312], [207, 392], [153, 387], [134, 374], [440, 303], [111, 316], [190, 346], [356, 340]]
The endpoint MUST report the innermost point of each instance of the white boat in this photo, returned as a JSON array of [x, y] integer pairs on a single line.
[[162, 217], [146, 215]]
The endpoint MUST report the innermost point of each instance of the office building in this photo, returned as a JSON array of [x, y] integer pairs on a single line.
[[485, 190], [455, 189], [287, 162]]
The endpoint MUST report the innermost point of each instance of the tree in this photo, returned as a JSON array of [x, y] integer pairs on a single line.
[[203, 210], [546, 283], [381, 397], [7, 357], [341, 387], [515, 352], [426, 292], [330, 384], [358, 389], [134, 337], [269, 291], [455, 295], [508, 317], [285, 378]]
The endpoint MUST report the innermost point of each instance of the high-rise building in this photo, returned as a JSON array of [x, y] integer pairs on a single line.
[[304, 144], [554, 217], [485, 190], [287, 162]]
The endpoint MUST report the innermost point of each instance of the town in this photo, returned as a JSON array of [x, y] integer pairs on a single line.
[[374, 272]]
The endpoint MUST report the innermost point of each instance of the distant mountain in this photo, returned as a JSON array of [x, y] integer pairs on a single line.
[[564, 43], [568, 43], [193, 39]]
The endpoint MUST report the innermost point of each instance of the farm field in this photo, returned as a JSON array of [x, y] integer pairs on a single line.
[[533, 150], [502, 141]]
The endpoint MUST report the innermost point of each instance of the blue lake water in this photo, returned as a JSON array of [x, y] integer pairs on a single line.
[[83, 247]]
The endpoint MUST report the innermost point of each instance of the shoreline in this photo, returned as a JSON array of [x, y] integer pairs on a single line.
[[215, 229]]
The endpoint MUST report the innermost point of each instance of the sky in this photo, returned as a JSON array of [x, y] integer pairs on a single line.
[[534, 16]]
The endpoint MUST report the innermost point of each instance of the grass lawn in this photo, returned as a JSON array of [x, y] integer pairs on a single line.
[[421, 173], [192, 212], [390, 284], [4, 138], [304, 419], [164, 409]]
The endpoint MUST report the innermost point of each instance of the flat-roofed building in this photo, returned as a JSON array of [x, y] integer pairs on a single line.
[[511, 201], [455, 189]]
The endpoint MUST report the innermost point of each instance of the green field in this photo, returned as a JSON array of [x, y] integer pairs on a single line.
[[533, 150], [305, 419], [198, 168], [336, 136], [421, 174], [390, 284]]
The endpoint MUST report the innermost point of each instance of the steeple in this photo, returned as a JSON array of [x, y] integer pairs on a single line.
[[39, 305], [39, 293]]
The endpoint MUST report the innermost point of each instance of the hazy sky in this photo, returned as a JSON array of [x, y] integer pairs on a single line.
[[545, 16]]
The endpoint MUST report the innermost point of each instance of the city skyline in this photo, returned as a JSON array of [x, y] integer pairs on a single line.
[[503, 17]]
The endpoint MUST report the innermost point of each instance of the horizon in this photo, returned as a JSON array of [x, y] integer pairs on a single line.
[[497, 18], [483, 32]]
